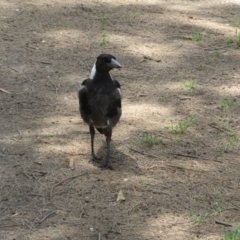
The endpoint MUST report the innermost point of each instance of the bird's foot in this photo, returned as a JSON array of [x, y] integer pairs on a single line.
[[107, 165], [95, 158]]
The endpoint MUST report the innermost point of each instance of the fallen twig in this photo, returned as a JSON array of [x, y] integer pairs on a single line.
[[3, 90], [184, 169], [155, 166], [214, 75], [44, 218], [19, 132], [213, 126], [216, 48], [38, 163], [223, 223], [75, 154], [143, 153], [184, 97], [43, 62], [151, 58], [64, 180], [183, 155]]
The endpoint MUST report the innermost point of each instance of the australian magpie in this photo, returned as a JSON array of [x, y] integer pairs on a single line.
[[100, 101]]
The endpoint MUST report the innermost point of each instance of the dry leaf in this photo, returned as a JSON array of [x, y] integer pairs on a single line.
[[120, 196], [71, 164]]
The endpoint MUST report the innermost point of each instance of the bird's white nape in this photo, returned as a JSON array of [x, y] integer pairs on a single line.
[[93, 71]]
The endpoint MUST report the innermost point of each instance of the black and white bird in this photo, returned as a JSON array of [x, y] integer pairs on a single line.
[[100, 101]]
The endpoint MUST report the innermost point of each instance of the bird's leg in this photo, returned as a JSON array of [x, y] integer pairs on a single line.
[[92, 132], [108, 139]]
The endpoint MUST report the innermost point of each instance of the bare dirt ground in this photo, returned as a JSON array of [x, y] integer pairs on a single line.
[[178, 189]]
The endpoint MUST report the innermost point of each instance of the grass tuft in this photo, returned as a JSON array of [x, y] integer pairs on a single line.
[[218, 53], [225, 104], [231, 143], [238, 39], [233, 235], [198, 36], [198, 218], [234, 40], [188, 84], [151, 139], [218, 204], [230, 41], [182, 126], [104, 41], [235, 22], [104, 20]]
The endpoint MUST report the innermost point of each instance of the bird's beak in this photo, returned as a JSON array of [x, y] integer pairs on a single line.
[[114, 64]]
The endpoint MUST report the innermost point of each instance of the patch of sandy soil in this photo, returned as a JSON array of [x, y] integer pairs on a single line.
[[186, 187]]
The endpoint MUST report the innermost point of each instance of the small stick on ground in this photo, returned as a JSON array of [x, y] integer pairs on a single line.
[[151, 58], [75, 154], [223, 223], [43, 62], [19, 132], [210, 78], [183, 155], [143, 153], [156, 166], [4, 90], [64, 180], [213, 126], [44, 218]]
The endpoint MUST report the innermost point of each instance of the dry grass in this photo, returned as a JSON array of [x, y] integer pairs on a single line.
[[177, 189]]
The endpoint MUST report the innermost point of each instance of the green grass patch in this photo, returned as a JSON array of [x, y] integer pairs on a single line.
[[143, 181], [183, 168], [230, 41], [179, 127], [188, 84], [235, 22], [218, 53], [203, 64], [136, 208], [234, 40], [235, 235], [198, 36], [65, 25], [104, 40], [225, 104], [238, 40], [231, 142], [198, 218], [150, 139], [104, 20], [218, 204]]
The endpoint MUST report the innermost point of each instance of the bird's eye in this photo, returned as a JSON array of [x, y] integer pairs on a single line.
[[106, 59]]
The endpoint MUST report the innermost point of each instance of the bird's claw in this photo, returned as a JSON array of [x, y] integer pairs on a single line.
[[94, 158], [106, 166]]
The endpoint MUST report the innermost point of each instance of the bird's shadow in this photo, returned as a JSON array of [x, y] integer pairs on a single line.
[[120, 161]]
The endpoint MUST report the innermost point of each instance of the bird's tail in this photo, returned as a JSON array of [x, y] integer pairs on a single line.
[[102, 131]]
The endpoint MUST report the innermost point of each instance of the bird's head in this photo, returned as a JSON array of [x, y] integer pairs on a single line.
[[106, 62]]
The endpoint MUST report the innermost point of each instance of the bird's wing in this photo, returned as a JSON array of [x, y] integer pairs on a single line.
[[117, 84], [83, 99], [116, 103]]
